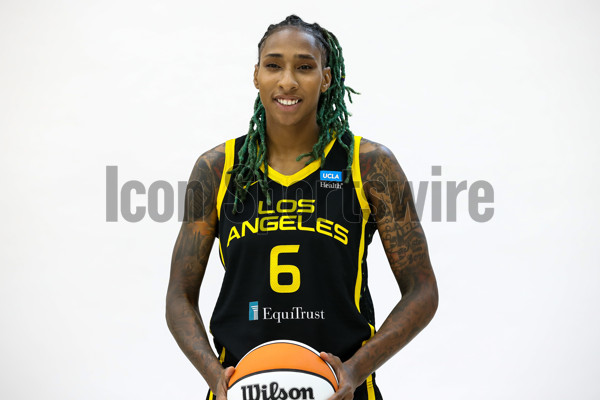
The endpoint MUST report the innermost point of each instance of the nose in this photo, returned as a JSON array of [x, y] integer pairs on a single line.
[[288, 80]]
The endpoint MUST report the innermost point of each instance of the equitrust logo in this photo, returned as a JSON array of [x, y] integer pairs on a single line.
[[256, 313], [253, 311]]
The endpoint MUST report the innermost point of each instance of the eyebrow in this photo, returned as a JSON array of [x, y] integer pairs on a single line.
[[302, 56]]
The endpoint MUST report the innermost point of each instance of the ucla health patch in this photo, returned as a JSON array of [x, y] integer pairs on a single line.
[[331, 176]]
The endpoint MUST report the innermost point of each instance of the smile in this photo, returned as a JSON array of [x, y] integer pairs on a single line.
[[286, 102]]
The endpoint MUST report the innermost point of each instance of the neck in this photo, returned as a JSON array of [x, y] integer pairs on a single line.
[[289, 142], [286, 143]]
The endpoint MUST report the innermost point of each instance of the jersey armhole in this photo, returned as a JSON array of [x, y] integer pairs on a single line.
[[366, 212], [357, 179], [226, 176]]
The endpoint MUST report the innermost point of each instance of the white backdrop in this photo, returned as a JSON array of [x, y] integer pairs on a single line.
[[502, 91]]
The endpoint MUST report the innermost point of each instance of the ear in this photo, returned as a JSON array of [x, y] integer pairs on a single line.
[[256, 76], [326, 82]]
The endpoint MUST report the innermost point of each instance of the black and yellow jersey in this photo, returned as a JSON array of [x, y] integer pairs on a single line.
[[295, 269]]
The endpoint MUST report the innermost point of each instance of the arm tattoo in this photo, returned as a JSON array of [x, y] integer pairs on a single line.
[[189, 260], [203, 186], [403, 239], [393, 207]]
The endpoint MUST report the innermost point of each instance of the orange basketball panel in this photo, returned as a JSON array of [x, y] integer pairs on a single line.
[[283, 356]]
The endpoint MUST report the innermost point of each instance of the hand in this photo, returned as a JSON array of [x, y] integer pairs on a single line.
[[224, 383], [346, 380]]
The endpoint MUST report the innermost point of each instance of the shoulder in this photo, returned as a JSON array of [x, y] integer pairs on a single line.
[[385, 185], [371, 148], [202, 187], [209, 164], [378, 162]]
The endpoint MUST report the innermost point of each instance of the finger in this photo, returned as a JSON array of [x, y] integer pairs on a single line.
[[330, 358], [345, 390], [335, 363], [224, 383], [227, 373]]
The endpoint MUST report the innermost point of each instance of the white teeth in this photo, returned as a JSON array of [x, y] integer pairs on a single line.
[[286, 102]]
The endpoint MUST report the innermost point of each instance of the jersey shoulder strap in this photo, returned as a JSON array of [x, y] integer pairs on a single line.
[[357, 179], [225, 176]]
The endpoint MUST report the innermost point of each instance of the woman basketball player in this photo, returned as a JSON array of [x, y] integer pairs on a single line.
[[294, 204]]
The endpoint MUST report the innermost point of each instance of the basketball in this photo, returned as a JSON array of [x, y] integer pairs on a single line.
[[282, 369]]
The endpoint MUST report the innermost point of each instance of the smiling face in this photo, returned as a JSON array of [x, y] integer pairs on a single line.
[[290, 78]]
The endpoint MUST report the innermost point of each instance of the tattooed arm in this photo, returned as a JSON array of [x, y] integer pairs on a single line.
[[392, 206], [188, 265]]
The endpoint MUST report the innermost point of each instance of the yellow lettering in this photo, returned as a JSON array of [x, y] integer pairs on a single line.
[[280, 204], [286, 223], [324, 226], [306, 206], [263, 211], [233, 234], [268, 223], [247, 224], [342, 232], [276, 269], [302, 228]]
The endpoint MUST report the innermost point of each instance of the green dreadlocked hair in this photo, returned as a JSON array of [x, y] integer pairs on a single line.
[[332, 115]]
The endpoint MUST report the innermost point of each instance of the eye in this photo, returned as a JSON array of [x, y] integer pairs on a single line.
[[305, 67], [271, 65]]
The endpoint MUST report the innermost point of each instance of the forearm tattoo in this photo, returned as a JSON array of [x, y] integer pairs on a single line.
[[190, 257], [403, 239]]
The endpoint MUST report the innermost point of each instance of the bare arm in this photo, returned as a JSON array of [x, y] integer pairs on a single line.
[[188, 265], [403, 239]]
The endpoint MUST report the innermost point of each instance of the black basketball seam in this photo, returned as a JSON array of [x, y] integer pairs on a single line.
[[283, 369]]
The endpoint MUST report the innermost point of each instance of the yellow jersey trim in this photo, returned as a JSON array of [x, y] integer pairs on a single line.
[[357, 178], [229, 159], [222, 357], [221, 254], [370, 389], [366, 211], [288, 180]]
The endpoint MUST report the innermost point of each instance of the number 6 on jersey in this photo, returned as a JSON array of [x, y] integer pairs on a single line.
[[277, 269]]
